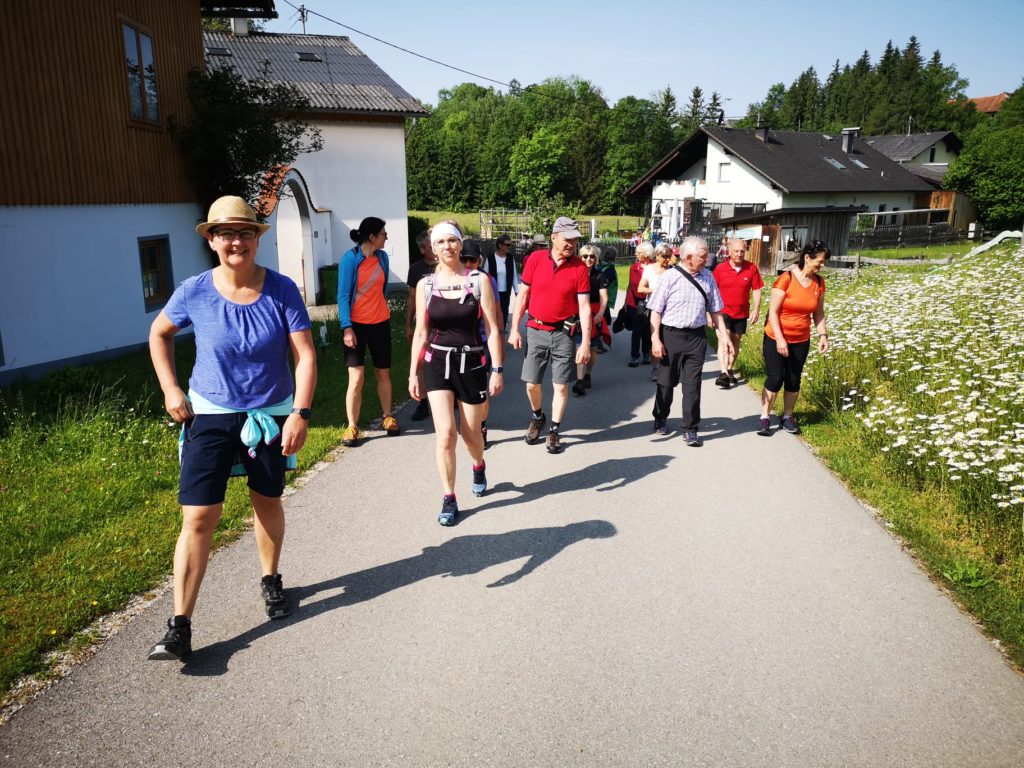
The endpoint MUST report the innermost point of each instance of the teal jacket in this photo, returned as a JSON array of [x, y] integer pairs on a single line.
[[348, 274]]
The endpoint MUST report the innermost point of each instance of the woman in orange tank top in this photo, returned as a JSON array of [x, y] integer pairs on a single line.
[[797, 298]]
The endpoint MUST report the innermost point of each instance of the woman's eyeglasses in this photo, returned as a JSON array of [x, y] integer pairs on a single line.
[[230, 235]]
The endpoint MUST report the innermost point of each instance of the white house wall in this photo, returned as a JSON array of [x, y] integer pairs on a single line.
[[942, 155], [745, 185], [360, 172], [892, 200], [72, 282]]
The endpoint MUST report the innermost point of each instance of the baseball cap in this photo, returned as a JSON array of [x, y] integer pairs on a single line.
[[566, 227]]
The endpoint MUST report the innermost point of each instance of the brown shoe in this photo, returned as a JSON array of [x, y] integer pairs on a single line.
[[553, 444], [533, 431], [390, 425]]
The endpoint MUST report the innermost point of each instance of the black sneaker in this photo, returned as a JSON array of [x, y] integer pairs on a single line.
[[449, 511], [633, 362], [275, 597], [723, 381], [479, 485], [661, 426], [789, 424], [579, 389], [764, 427], [422, 410], [586, 381], [177, 642], [647, 359]]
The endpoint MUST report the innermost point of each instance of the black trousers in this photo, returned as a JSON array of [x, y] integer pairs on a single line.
[[504, 301], [683, 363]]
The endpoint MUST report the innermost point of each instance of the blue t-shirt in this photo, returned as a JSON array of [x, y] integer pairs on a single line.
[[241, 349]]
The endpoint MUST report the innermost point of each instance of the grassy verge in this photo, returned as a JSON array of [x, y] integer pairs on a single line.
[[88, 490], [470, 222], [919, 251]]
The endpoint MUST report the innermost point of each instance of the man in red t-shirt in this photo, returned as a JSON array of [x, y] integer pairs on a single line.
[[736, 278], [555, 287]]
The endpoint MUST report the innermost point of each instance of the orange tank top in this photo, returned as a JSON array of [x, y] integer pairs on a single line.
[[370, 306]]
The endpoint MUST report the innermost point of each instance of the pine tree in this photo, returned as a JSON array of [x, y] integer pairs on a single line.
[[693, 117], [714, 112]]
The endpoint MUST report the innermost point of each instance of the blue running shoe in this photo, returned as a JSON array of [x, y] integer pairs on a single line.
[[479, 480], [449, 511]]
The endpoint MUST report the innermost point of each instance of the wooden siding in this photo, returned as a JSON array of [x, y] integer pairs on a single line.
[[66, 137]]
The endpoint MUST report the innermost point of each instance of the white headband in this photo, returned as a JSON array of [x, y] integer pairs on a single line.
[[442, 230]]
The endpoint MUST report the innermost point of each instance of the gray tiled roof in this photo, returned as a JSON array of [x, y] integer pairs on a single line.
[[343, 79], [905, 148]]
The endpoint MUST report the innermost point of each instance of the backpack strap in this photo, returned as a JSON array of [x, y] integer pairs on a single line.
[[428, 289]]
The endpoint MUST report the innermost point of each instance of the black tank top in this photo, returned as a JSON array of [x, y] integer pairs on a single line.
[[454, 322]]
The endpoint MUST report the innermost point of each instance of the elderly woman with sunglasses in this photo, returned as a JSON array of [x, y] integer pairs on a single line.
[[456, 369], [242, 413], [598, 303]]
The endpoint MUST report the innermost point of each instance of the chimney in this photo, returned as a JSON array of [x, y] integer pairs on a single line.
[[849, 134], [239, 27], [761, 134]]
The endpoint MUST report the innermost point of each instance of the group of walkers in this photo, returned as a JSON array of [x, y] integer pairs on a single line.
[[243, 415]]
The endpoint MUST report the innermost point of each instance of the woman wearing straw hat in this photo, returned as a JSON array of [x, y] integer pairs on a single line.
[[366, 323], [452, 301], [242, 413]]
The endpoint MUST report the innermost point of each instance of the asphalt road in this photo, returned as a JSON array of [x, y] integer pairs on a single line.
[[631, 602]]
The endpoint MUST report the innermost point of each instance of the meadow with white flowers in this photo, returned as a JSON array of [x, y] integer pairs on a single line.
[[925, 382]]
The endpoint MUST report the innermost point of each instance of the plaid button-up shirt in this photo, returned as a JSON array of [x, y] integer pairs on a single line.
[[679, 303]]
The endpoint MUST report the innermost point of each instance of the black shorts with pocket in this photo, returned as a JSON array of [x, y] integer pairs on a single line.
[[376, 336], [468, 384], [213, 445], [737, 325]]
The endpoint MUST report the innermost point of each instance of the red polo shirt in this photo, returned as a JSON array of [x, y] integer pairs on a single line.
[[735, 287], [554, 290]]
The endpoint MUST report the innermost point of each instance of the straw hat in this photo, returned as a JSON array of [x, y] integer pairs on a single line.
[[230, 210]]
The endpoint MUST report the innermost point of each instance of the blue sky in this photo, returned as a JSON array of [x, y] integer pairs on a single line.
[[738, 48]]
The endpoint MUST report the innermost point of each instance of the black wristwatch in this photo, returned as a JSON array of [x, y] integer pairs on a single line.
[[303, 412], [497, 369]]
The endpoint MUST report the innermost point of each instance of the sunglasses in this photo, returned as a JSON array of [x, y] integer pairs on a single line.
[[468, 259]]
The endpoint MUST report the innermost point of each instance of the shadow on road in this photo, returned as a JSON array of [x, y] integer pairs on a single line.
[[460, 556]]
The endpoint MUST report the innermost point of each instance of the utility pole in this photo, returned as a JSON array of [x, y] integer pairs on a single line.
[[302, 15]]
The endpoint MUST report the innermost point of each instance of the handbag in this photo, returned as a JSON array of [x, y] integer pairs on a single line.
[[642, 309], [623, 321]]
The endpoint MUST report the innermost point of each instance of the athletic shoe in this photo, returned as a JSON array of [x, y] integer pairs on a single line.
[[479, 486], [733, 381], [483, 433], [554, 443], [275, 597], [177, 642], [533, 431], [654, 373], [586, 381], [723, 381], [693, 440], [422, 410], [661, 426], [764, 426], [351, 437], [390, 425], [788, 424], [647, 359], [449, 511], [579, 389], [633, 362]]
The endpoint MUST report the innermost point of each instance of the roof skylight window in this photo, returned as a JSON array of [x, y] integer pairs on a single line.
[[858, 163], [835, 163], [306, 56], [214, 50]]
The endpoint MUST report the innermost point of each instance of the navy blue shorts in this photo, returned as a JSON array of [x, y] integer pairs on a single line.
[[213, 445]]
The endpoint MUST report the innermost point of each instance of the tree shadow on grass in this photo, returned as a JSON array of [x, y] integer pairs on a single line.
[[460, 556]]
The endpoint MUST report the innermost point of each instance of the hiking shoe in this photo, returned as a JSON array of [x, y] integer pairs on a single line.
[[449, 511], [422, 410], [586, 381], [723, 381], [789, 424], [533, 431], [554, 443], [733, 381], [764, 426], [390, 425], [579, 389], [275, 597], [693, 440], [661, 426], [177, 642], [633, 362], [479, 486], [351, 437]]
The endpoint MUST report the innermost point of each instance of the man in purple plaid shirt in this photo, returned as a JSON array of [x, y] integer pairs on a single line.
[[679, 312]]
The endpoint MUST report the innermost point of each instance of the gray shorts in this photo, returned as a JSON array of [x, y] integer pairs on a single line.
[[543, 347]]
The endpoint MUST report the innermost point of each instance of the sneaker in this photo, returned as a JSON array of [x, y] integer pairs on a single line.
[[579, 389], [647, 359], [351, 437], [483, 434], [422, 410], [275, 597], [633, 362], [733, 381], [661, 426], [533, 431], [654, 373], [764, 426], [390, 425], [693, 440], [554, 443], [723, 381], [789, 424], [177, 642], [479, 486], [587, 383], [449, 511]]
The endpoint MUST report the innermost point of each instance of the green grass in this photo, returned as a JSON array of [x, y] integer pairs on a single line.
[[88, 490], [470, 222], [957, 250]]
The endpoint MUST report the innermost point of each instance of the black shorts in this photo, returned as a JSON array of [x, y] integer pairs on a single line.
[[376, 336], [213, 445], [469, 385], [735, 325]]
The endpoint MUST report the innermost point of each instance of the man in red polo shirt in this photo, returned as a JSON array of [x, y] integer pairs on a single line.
[[555, 286], [736, 278]]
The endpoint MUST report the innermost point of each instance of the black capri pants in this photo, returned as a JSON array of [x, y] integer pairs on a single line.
[[784, 371]]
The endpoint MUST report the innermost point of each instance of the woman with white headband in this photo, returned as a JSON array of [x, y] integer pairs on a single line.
[[455, 361]]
